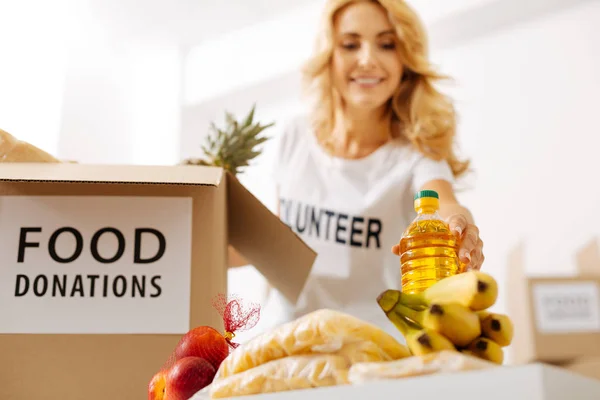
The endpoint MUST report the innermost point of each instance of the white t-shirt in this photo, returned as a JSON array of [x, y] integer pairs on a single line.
[[351, 212]]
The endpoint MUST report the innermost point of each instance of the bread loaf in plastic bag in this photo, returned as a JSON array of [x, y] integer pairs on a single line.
[[289, 373], [444, 361], [299, 372], [320, 332], [15, 150]]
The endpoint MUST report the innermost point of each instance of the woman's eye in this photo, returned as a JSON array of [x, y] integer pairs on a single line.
[[388, 46], [350, 45]]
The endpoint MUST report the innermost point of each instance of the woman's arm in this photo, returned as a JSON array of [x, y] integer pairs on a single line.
[[449, 204]]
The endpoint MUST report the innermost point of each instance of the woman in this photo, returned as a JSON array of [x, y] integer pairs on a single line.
[[378, 132]]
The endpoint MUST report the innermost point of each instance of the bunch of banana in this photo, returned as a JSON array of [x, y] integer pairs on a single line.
[[451, 315]]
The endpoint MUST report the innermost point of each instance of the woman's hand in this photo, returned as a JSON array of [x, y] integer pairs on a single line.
[[470, 251]]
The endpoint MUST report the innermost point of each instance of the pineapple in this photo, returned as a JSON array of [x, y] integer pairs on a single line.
[[234, 146]]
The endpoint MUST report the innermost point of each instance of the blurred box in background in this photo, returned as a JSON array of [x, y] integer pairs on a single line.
[[589, 367], [557, 318]]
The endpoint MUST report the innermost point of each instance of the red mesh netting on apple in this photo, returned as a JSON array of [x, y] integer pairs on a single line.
[[238, 316]]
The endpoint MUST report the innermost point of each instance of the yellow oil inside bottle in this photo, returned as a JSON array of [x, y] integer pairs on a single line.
[[428, 249]]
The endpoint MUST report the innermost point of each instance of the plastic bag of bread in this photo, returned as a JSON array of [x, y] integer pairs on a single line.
[[15, 150], [444, 361], [289, 373], [299, 371], [320, 332]]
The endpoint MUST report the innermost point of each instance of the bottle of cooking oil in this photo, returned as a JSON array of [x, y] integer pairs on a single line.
[[428, 249]]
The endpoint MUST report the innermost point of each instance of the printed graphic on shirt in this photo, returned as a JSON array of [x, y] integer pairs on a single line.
[[330, 225]]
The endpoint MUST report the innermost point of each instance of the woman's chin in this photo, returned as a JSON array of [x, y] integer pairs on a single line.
[[366, 103]]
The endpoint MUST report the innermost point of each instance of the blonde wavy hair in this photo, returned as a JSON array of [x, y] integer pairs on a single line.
[[425, 116]]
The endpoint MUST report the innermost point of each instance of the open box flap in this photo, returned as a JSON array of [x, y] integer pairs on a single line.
[[67, 172], [266, 242]]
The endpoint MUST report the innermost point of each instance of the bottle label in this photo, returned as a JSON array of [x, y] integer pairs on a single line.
[[567, 307]]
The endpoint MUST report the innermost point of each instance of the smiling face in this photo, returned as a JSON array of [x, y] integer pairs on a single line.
[[366, 68]]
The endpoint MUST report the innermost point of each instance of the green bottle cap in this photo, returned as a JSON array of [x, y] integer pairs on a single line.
[[427, 193]]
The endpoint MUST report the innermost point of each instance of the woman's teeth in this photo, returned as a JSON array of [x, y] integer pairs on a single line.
[[367, 81]]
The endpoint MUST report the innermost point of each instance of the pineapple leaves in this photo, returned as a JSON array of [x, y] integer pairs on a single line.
[[234, 146], [250, 116]]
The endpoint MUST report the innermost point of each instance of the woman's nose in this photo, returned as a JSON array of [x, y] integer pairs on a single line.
[[366, 56]]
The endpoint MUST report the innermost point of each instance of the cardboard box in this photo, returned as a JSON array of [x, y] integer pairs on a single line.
[[557, 319], [105, 267]]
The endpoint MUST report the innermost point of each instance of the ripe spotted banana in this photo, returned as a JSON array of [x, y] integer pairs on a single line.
[[456, 322], [473, 289], [486, 349], [497, 327], [419, 341], [427, 342]]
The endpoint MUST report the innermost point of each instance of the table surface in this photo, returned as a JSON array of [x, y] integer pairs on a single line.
[[524, 382]]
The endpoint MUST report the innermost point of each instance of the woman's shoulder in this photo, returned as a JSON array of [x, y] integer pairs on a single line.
[[407, 159], [408, 152], [425, 169]]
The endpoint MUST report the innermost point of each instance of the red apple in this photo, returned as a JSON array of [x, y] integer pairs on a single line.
[[188, 376], [156, 387], [204, 342]]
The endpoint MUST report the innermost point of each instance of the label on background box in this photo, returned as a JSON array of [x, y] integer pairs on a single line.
[[95, 265], [568, 307]]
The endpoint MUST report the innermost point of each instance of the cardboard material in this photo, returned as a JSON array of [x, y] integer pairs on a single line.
[[557, 319], [119, 366]]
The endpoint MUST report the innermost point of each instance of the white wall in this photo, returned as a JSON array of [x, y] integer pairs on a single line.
[[72, 86], [527, 98], [122, 104], [32, 70]]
